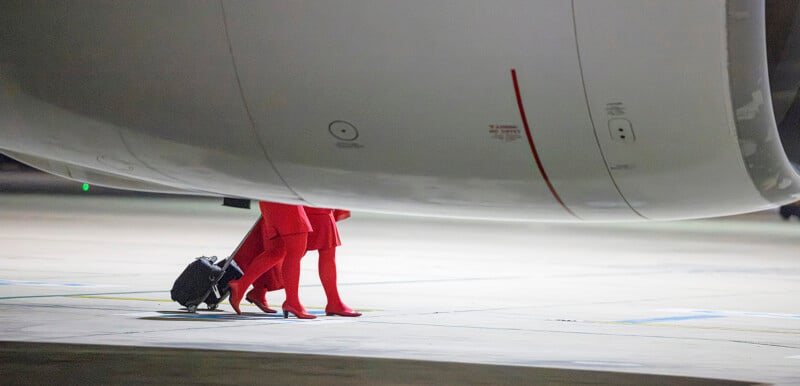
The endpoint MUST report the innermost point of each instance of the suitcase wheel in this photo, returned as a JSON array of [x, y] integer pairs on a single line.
[[191, 309], [212, 307]]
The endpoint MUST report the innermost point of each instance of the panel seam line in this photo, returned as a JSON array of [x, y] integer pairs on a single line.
[[591, 118], [247, 107]]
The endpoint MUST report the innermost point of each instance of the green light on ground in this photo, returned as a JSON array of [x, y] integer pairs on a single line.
[[85, 187]]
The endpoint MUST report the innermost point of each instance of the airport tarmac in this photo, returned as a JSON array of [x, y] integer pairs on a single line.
[[715, 299]]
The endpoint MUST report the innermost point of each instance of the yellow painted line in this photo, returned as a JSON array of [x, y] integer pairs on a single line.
[[698, 327], [121, 298], [170, 301]]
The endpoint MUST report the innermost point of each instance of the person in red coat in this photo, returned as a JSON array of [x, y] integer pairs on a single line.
[[325, 239], [254, 244], [285, 231]]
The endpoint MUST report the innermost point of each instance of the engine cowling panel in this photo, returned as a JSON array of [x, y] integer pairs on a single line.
[[545, 110]]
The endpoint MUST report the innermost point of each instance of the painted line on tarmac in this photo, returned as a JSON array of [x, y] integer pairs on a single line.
[[214, 315], [751, 314], [222, 316], [102, 297], [86, 294], [171, 301], [695, 327], [105, 296], [32, 283], [793, 357], [468, 279], [668, 319]]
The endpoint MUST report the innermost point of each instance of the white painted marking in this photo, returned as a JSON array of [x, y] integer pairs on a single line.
[[793, 357]]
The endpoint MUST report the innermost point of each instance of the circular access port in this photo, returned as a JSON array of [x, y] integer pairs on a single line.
[[343, 130]]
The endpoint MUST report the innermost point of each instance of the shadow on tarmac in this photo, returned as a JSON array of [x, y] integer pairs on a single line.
[[215, 316], [26, 363]]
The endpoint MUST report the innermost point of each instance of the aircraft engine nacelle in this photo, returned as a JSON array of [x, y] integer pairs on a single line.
[[537, 110]]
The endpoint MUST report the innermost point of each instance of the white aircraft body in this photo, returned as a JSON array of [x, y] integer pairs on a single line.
[[551, 110]]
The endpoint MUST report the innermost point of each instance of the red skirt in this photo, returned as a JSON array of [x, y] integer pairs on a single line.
[[325, 234], [282, 219]]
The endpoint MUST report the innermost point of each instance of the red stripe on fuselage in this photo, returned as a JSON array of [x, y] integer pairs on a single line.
[[533, 146]]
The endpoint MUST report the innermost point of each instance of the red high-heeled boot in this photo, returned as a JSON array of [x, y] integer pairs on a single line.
[[260, 264], [258, 296], [295, 249], [236, 295], [297, 310], [327, 275], [340, 310]]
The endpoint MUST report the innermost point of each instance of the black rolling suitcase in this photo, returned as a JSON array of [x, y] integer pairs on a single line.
[[232, 273], [203, 281]]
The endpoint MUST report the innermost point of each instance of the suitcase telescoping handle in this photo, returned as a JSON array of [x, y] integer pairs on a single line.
[[228, 261]]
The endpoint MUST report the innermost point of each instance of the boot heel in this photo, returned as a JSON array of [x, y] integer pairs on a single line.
[[285, 314]]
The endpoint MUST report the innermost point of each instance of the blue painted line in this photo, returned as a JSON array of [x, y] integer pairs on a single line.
[[669, 319], [751, 314]]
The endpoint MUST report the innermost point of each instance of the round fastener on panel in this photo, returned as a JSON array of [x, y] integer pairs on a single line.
[[342, 130]]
